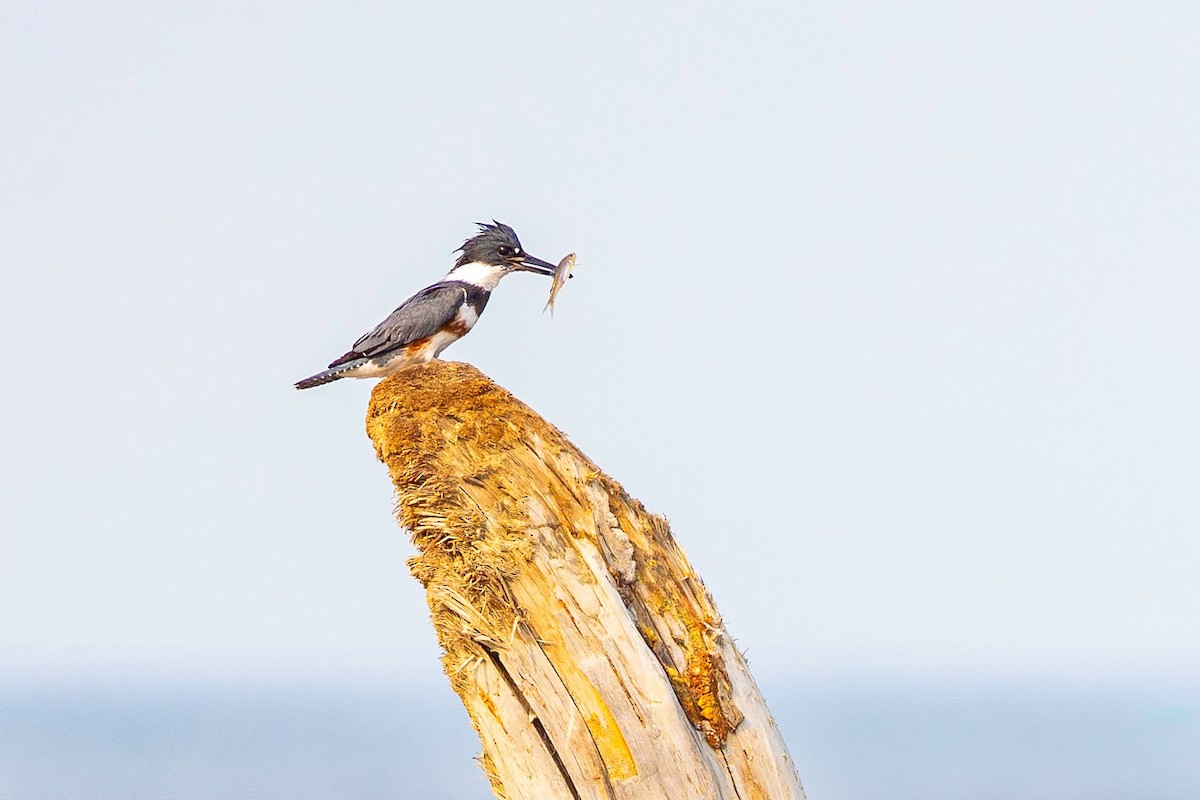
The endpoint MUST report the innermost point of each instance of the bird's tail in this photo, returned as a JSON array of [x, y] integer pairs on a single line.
[[321, 378]]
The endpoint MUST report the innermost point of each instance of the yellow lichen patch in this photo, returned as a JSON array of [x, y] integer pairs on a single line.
[[708, 685], [677, 619], [606, 734], [614, 750]]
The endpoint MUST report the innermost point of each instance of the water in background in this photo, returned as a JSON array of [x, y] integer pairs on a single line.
[[855, 740]]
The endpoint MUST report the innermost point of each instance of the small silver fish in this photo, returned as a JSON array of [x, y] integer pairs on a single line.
[[561, 273]]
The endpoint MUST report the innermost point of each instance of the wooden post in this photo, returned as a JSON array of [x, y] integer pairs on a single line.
[[590, 657]]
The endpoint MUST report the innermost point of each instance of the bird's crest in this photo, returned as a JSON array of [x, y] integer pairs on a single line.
[[485, 245]]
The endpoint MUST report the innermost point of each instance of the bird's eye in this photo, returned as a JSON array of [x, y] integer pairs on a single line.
[[505, 250]]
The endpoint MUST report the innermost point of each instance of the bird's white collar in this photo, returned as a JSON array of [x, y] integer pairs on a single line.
[[485, 276]]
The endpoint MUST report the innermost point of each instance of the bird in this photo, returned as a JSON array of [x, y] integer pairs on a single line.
[[440, 314]]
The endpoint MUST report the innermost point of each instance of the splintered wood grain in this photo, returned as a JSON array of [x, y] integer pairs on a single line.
[[591, 659]]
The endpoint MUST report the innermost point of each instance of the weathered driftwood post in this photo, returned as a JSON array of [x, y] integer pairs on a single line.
[[591, 659]]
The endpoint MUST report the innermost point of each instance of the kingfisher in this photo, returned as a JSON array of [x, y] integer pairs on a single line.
[[437, 316]]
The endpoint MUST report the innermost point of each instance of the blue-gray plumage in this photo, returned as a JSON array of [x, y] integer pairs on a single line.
[[437, 316]]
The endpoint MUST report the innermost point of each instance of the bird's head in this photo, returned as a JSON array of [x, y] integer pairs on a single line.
[[497, 246]]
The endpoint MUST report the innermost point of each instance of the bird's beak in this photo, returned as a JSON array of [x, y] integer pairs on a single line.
[[530, 264]]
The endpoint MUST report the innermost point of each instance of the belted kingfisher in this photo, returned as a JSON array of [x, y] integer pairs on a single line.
[[437, 316]]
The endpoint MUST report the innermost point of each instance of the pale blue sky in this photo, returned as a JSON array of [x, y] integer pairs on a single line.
[[891, 310]]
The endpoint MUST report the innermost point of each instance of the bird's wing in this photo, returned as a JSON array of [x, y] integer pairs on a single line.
[[423, 314]]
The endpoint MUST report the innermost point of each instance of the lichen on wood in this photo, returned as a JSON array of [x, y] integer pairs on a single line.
[[590, 657]]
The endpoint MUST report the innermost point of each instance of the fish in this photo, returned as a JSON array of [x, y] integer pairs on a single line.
[[561, 273]]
